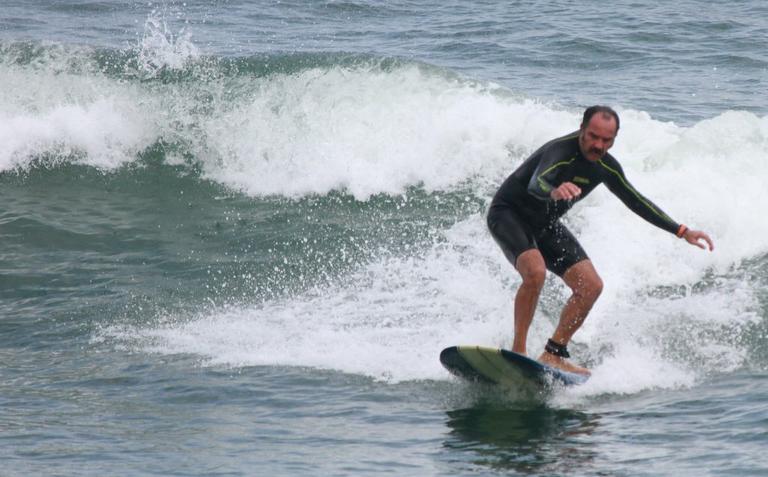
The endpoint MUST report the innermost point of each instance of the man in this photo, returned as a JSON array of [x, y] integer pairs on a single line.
[[524, 220]]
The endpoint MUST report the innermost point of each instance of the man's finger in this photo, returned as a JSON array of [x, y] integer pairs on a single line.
[[574, 189], [701, 240]]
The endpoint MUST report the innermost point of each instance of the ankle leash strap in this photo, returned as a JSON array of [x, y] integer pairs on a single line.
[[557, 349]]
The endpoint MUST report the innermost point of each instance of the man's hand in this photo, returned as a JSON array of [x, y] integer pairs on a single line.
[[566, 191], [698, 238]]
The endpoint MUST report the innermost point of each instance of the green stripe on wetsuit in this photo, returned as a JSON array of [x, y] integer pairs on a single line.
[[560, 160], [637, 195]]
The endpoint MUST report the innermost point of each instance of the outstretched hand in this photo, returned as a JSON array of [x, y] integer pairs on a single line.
[[699, 239]]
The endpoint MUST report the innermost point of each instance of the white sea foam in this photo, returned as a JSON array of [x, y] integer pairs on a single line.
[[360, 128], [48, 111], [104, 133], [393, 316], [390, 323], [369, 131], [62, 109]]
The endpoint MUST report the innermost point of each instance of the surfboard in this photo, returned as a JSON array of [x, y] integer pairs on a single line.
[[504, 367]]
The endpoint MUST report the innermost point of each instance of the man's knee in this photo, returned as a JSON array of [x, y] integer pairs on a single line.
[[532, 269], [592, 287], [534, 277], [584, 281]]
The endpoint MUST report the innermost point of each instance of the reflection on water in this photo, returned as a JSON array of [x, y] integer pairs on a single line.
[[536, 440]]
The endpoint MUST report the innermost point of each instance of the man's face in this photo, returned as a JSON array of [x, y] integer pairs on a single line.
[[597, 136]]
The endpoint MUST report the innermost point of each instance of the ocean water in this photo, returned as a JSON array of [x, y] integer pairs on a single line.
[[236, 236]]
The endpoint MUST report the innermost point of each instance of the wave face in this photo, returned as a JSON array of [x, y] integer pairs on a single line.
[[326, 210]]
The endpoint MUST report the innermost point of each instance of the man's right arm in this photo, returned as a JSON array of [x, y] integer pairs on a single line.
[[544, 178]]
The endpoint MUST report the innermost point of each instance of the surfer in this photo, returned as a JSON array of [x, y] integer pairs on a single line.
[[524, 220]]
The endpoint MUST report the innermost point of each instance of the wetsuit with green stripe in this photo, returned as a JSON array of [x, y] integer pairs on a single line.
[[524, 216]]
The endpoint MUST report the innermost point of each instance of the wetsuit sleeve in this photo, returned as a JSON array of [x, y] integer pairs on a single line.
[[544, 176], [618, 184]]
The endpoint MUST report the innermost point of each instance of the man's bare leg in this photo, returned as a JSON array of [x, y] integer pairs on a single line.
[[586, 285], [532, 269]]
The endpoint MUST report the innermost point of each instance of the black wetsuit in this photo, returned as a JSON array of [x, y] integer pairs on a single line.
[[522, 215]]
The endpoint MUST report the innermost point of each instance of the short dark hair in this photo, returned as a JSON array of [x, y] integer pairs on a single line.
[[606, 110]]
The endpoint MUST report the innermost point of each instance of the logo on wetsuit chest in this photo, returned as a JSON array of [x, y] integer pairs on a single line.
[[580, 180]]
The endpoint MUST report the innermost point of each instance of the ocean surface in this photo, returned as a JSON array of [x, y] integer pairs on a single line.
[[235, 236]]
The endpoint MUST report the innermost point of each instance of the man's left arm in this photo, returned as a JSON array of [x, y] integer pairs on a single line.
[[618, 184]]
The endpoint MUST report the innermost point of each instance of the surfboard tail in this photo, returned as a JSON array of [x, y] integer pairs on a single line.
[[457, 365]]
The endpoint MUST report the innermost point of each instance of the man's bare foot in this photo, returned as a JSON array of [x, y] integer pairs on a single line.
[[560, 363]]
